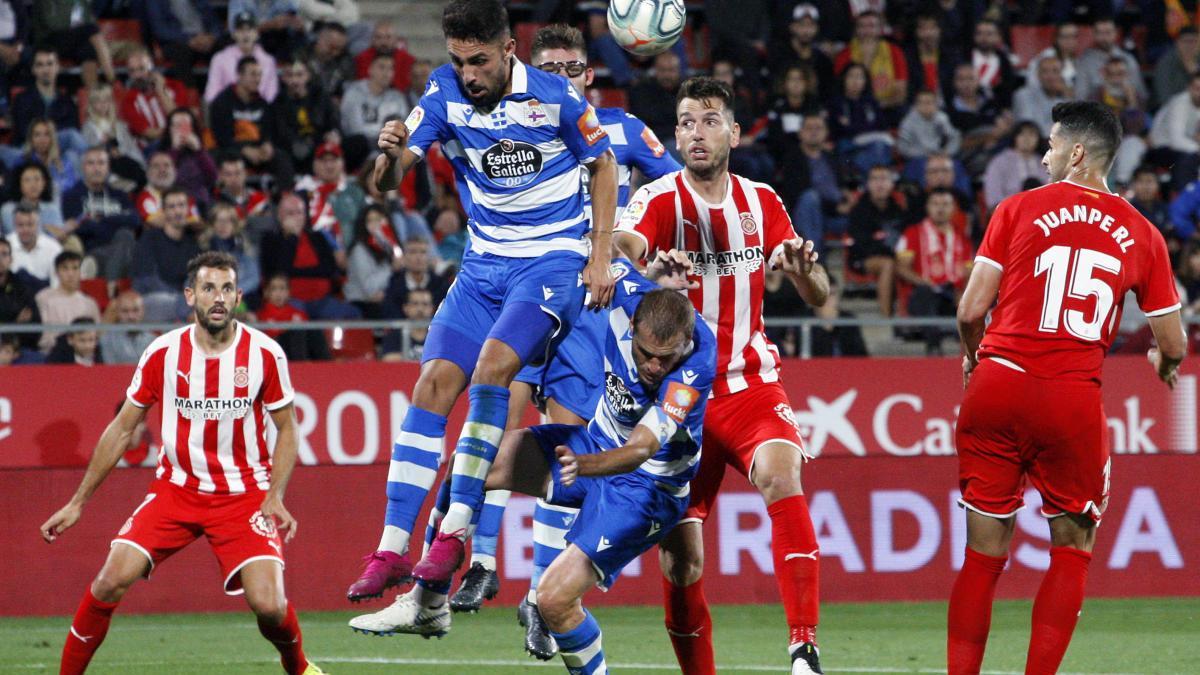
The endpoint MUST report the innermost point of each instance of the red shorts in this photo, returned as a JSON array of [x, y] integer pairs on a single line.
[[1014, 426], [172, 517], [735, 427]]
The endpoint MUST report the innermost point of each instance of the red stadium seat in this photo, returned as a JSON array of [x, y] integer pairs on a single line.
[[355, 344], [122, 36], [611, 98], [97, 289], [525, 31], [1027, 41]]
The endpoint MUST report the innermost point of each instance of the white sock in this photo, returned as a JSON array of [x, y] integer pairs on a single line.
[[394, 539], [531, 596], [488, 561], [457, 519]]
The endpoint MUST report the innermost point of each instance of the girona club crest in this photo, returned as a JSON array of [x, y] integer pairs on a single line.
[[262, 525], [749, 225], [241, 376], [786, 414]]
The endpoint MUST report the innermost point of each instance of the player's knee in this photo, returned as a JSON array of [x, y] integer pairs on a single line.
[[109, 586], [554, 603], [682, 569], [437, 387], [776, 485], [269, 607]]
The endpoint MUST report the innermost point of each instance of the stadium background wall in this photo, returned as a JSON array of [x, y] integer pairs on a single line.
[[882, 491]]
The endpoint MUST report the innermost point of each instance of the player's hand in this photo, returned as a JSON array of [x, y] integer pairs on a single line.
[[273, 508], [670, 269], [798, 257], [968, 368], [62, 520], [599, 281], [393, 139], [1171, 376], [569, 466]]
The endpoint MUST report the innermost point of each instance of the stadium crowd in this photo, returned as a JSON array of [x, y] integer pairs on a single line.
[[138, 133]]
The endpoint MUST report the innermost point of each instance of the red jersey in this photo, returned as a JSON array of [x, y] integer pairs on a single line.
[[941, 256], [1068, 255], [729, 245], [214, 408], [142, 110]]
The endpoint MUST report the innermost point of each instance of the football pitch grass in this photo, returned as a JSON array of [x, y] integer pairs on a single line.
[[1114, 636]]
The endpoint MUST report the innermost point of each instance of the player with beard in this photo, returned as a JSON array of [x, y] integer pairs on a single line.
[[521, 141], [1057, 262], [216, 380], [731, 229]]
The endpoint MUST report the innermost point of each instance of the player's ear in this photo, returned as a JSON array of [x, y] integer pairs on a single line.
[[736, 136], [510, 48], [189, 295], [590, 76]]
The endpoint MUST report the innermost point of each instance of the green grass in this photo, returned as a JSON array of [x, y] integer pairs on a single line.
[[1114, 636]]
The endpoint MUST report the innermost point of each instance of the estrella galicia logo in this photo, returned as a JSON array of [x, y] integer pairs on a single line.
[[512, 163], [620, 399]]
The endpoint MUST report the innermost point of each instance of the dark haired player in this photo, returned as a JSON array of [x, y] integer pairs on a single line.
[[1057, 261]]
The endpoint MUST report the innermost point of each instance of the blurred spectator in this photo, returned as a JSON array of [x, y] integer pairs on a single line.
[[739, 32], [385, 41], [160, 260], [982, 123], [926, 129], [366, 105], [1131, 152], [407, 222], [830, 340], [934, 257], [194, 168], [992, 63], [331, 66], [232, 188], [1174, 69], [1037, 98], [304, 116], [43, 148], [149, 97], [930, 58], [71, 28], [160, 175], [101, 216], [319, 12], [1147, 199], [1117, 90], [653, 99], [1090, 66], [451, 236], [46, 101], [241, 120], [224, 70], [10, 348], [306, 258], [226, 233], [14, 46], [63, 304], [280, 26], [875, 224], [1015, 168], [1065, 48], [1187, 272], [418, 306], [857, 123], [125, 346], [421, 70], [334, 201], [32, 251], [750, 158], [103, 127], [186, 31], [1175, 134], [1185, 211], [885, 65], [416, 272], [31, 183], [819, 203], [78, 347], [16, 297], [940, 172], [277, 306], [797, 97], [800, 49], [374, 255], [603, 48]]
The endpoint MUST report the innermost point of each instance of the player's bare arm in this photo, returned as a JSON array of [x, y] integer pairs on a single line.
[[112, 445], [641, 446], [982, 288], [597, 275], [630, 245], [283, 461], [798, 261], [1172, 346], [395, 158]]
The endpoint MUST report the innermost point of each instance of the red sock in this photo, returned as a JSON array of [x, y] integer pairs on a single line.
[[1056, 608], [971, 611], [797, 566], [88, 629], [690, 626], [287, 639]]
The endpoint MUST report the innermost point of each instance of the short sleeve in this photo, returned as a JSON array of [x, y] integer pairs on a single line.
[[1155, 289], [146, 387], [277, 389], [777, 227], [428, 121], [994, 249], [580, 128], [646, 152], [651, 217], [630, 285]]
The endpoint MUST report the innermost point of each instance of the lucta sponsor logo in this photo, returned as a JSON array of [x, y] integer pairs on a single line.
[[512, 163]]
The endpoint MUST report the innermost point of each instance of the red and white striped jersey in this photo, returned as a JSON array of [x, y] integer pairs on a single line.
[[214, 408], [730, 245]]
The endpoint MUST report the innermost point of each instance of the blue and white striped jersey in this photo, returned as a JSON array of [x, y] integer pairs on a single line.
[[634, 145], [675, 412], [519, 166]]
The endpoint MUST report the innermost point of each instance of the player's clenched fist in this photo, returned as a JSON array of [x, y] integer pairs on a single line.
[[58, 523], [569, 466], [393, 139]]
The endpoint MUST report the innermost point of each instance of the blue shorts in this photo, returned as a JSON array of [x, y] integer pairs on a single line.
[[574, 375], [489, 285], [620, 517]]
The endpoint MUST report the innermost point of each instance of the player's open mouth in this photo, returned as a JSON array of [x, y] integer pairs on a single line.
[[698, 152], [217, 313]]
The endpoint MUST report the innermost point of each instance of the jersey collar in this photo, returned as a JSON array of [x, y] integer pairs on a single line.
[[1089, 189], [520, 78]]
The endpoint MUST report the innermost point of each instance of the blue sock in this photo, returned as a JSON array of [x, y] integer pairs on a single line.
[[580, 647], [476, 450], [435, 518], [483, 543], [550, 525], [416, 455]]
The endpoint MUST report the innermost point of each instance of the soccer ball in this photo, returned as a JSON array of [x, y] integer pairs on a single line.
[[646, 27]]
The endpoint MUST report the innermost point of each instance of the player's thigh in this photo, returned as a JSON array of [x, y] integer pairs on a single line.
[[520, 465], [165, 522], [990, 438], [566, 580], [123, 566], [542, 299], [240, 535], [262, 581], [759, 432], [468, 312], [1073, 531], [681, 553]]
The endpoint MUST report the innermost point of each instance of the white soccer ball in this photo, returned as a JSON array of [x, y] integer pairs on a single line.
[[646, 27]]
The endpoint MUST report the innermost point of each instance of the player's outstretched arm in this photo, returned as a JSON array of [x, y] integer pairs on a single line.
[[798, 261], [395, 159], [629, 245], [283, 461], [641, 446], [112, 445], [1172, 346], [597, 275], [982, 288]]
